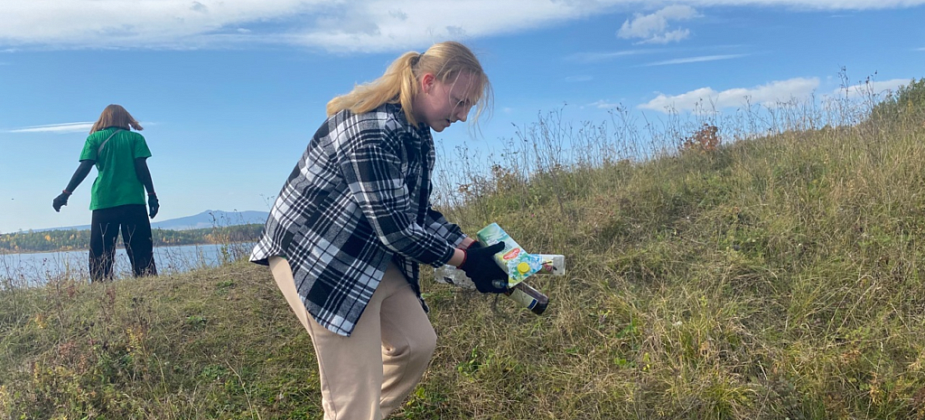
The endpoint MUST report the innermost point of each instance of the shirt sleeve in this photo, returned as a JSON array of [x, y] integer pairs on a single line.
[[140, 148], [372, 170], [90, 151], [438, 224]]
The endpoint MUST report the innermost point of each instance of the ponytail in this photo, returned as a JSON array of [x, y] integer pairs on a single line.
[[399, 84]]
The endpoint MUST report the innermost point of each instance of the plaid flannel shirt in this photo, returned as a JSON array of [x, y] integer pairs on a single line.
[[357, 199]]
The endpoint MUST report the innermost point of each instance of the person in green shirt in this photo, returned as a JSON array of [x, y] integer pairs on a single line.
[[117, 198]]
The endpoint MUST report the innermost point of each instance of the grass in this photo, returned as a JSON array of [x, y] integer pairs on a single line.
[[771, 276]]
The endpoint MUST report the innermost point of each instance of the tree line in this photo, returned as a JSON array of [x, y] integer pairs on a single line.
[[70, 240]]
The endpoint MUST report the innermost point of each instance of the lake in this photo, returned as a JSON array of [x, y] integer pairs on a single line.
[[33, 269]]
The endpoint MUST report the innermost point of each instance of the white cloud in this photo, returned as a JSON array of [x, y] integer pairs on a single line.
[[699, 59], [670, 36], [339, 26], [594, 57], [604, 104], [769, 94], [74, 127], [872, 88], [334, 25], [653, 28]]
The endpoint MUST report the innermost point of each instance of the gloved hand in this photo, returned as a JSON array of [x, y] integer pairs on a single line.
[[59, 201], [481, 267], [153, 205]]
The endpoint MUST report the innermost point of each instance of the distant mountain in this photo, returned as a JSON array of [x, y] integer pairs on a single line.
[[213, 218], [206, 219]]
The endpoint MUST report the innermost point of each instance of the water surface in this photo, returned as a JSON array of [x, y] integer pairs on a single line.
[[32, 269]]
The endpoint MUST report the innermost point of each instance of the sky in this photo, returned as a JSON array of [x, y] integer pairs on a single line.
[[230, 91]]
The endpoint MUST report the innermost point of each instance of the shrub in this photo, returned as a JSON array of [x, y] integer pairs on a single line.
[[704, 140], [907, 103]]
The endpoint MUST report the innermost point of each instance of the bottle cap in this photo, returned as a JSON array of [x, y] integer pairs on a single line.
[[523, 267]]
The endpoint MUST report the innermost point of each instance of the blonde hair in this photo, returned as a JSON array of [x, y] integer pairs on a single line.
[[399, 84], [115, 116]]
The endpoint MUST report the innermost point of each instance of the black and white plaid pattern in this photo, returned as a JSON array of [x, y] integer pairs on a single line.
[[358, 198]]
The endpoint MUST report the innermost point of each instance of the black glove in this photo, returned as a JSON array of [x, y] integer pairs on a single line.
[[153, 205], [59, 201], [481, 267]]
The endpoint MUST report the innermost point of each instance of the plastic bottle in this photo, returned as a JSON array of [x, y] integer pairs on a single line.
[[452, 275], [522, 293]]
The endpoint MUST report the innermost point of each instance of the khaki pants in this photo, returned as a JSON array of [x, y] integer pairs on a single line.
[[367, 375]]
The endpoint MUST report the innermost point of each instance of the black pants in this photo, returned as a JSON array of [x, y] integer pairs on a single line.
[[136, 235]]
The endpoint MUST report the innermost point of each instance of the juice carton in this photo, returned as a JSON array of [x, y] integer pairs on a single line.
[[514, 259]]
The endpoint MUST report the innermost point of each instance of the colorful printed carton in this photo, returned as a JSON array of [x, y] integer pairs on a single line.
[[518, 263]]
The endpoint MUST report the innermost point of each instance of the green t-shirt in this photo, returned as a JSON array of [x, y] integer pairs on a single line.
[[116, 183]]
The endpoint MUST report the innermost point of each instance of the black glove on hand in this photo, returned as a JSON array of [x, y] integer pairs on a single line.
[[59, 201], [481, 267], [473, 245], [153, 205]]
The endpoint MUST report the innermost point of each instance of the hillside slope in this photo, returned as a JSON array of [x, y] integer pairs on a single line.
[[772, 277]]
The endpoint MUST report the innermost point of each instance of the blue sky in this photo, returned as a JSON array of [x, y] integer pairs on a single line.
[[230, 91]]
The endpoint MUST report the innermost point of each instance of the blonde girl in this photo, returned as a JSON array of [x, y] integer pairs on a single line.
[[353, 221]]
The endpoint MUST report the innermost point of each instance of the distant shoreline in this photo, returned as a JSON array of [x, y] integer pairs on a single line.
[[78, 240]]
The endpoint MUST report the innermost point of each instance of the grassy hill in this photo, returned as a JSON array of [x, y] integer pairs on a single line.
[[727, 275]]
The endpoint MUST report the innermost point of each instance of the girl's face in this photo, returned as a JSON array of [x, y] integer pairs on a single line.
[[440, 104]]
